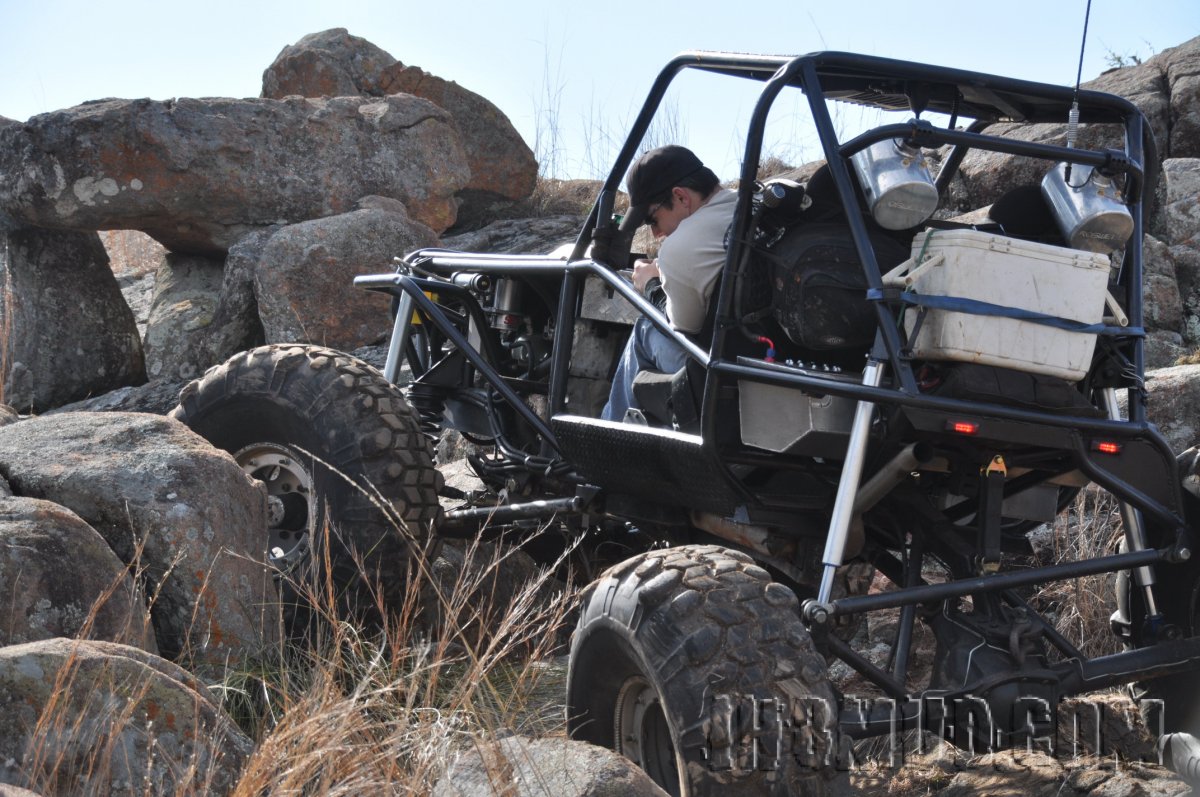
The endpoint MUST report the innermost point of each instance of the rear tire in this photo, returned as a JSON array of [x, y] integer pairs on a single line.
[[342, 456], [1178, 715], [694, 664]]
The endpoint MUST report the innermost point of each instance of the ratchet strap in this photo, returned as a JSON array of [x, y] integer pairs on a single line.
[[975, 307]]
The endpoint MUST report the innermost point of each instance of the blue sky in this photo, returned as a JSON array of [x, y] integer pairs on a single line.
[[569, 75]]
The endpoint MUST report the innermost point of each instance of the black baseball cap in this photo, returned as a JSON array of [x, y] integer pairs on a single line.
[[653, 176]]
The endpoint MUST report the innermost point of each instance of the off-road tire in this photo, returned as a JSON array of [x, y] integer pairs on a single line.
[[711, 641], [1178, 594], [375, 487]]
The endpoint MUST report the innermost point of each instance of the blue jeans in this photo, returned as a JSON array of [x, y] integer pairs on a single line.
[[647, 350]]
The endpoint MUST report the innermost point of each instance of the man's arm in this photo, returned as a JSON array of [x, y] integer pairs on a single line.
[[644, 271], [648, 280]]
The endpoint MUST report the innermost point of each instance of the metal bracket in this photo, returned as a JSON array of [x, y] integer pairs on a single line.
[[815, 613]]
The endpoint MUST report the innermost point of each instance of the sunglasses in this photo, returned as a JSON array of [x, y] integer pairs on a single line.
[[651, 213]]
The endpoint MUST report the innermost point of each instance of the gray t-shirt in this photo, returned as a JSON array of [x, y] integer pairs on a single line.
[[690, 260]]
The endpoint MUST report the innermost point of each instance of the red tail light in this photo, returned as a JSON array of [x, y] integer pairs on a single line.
[[963, 427]]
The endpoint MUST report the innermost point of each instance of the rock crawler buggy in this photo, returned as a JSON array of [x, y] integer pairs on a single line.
[[938, 387]]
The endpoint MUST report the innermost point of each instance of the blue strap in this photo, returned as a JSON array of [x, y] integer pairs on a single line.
[[976, 307]]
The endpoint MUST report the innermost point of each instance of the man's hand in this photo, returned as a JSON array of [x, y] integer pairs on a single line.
[[643, 272]]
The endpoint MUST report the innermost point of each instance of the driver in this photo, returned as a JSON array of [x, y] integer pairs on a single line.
[[689, 213]]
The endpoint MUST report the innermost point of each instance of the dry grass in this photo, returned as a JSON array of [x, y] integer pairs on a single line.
[[772, 165], [553, 197], [1192, 358], [6, 319], [1081, 607], [385, 712], [378, 711], [95, 733]]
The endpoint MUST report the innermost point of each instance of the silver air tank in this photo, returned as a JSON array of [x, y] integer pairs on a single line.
[[898, 185], [1088, 208]]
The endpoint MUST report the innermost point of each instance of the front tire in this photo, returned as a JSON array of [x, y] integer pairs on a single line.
[[694, 664], [342, 457]]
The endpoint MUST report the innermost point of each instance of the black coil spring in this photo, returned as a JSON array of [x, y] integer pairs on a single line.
[[430, 403]]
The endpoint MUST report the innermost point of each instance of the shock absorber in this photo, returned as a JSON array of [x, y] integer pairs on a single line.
[[430, 403]]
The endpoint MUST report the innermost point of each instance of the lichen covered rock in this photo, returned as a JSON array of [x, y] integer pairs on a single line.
[[98, 718], [58, 578], [163, 498]]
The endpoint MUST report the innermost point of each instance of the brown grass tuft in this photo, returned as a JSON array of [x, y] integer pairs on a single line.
[[1192, 358], [1081, 607], [554, 197], [387, 711], [361, 709]]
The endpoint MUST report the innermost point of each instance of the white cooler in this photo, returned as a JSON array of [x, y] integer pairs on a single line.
[[969, 264]]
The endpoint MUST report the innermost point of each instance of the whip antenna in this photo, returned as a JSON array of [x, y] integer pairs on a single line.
[[1073, 114]]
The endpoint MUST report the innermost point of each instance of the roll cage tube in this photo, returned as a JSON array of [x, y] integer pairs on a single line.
[[414, 289], [443, 260]]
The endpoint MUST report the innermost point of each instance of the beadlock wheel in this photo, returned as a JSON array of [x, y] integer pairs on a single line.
[[291, 508], [641, 731]]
